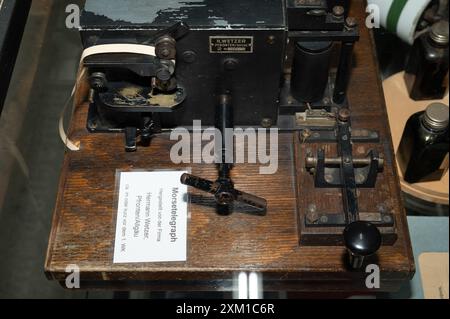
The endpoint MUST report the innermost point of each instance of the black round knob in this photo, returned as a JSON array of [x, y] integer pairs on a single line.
[[362, 238], [163, 74], [98, 80]]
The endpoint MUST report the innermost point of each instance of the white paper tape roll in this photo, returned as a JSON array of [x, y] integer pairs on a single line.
[[94, 50], [118, 48]]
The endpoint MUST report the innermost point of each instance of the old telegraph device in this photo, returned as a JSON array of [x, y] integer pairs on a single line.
[[154, 65]]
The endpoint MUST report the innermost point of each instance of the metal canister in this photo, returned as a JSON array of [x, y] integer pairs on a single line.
[[310, 70]]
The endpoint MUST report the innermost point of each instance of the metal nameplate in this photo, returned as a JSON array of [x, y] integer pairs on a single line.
[[231, 44]]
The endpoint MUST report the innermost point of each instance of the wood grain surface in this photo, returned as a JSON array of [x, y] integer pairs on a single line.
[[84, 221]]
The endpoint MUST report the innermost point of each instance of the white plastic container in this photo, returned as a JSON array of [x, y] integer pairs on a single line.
[[401, 16]]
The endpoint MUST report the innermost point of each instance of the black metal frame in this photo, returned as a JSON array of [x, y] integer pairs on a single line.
[[336, 92]]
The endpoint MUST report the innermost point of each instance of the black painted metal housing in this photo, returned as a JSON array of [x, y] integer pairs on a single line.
[[203, 62]]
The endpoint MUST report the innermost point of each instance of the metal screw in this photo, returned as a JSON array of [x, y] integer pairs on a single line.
[[230, 64], [360, 178], [312, 217], [305, 135], [344, 114], [98, 80], [165, 52], [266, 122], [225, 198], [324, 219], [163, 74], [312, 208], [271, 39], [338, 11], [387, 219], [351, 22], [189, 56]]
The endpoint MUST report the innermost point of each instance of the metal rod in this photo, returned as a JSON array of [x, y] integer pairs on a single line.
[[311, 162], [224, 121], [343, 73]]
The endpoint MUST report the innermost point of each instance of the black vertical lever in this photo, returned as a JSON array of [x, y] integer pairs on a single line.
[[223, 188], [224, 121], [362, 239]]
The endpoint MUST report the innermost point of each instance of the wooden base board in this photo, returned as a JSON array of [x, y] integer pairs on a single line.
[[220, 247]]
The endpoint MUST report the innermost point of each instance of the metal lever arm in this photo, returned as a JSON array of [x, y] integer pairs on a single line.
[[362, 239], [223, 188], [224, 192]]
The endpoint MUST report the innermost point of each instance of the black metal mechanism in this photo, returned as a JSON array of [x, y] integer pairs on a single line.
[[338, 171], [316, 30], [130, 90], [223, 188], [362, 238], [168, 91], [13, 17], [316, 94], [253, 44]]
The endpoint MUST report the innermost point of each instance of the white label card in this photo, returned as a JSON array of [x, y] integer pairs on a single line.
[[151, 218]]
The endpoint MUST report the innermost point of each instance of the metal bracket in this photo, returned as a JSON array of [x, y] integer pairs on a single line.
[[343, 171], [329, 136], [317, 219], [327, 171]]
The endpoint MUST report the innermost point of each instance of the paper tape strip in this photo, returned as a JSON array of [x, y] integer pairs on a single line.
[[94, 50]]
